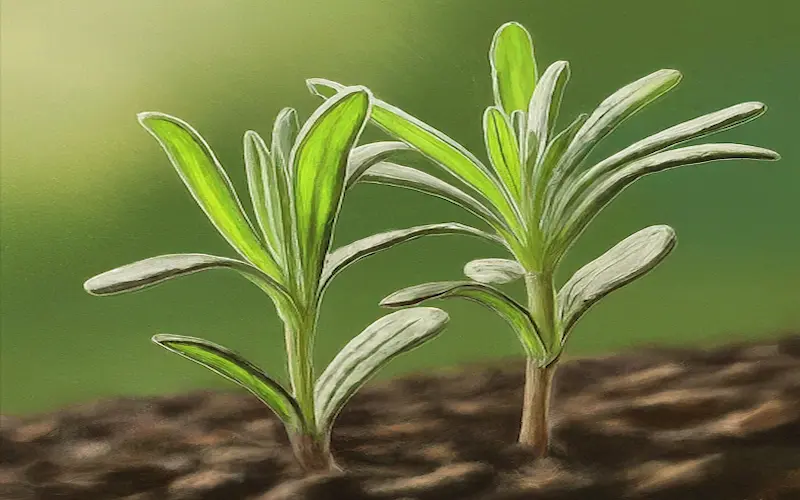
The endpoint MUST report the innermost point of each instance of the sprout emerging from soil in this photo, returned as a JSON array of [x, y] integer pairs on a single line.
[[296, 187], [539, 195]]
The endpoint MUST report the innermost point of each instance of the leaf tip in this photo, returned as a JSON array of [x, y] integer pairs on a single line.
[[511, 25], [91, 286], [390, 301], [318, 87]]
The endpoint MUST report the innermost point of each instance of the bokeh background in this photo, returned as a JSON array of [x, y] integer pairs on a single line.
[[85, 189]]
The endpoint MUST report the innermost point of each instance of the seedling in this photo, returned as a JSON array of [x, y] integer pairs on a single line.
[[539, 196], [296, 187]]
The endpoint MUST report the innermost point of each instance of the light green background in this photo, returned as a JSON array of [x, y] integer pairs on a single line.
[[84, 188]]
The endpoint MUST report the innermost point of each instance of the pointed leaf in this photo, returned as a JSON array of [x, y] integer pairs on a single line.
[[546, 102], [368, 155], [209, 184], [513, 67], [263, 192], [602, 193], [349, 254], [371, 350], [320, 164], [511, 311], [156, 270], [609, 115], [435, 145], [692, 129], [398, 175], [503, 149], [494, 271], [238, 370], [627, 260]]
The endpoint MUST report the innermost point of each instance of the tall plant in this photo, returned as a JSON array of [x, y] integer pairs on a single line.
[[296, 188], [540, 193]]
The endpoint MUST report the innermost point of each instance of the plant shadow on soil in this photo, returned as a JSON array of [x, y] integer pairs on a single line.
[[653, 424]]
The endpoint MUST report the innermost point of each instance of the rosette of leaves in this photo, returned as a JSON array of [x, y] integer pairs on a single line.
[[539, 193], [296, 188]]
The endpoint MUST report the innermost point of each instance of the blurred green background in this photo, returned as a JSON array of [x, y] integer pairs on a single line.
[[85, 189]]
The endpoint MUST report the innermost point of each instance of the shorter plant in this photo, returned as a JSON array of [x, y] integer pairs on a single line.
[[296, 190], [539, 196]]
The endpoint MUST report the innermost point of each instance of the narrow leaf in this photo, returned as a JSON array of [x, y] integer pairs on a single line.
[[209, 184], [509, 309], [692, 129], [320, 164], [156, 270], [368, 352], [349, 254], [435, 145], [543, 170], [398, 175], [503, 149], [603, 192], [546, 102], [513, 67], [263, 192], [627, 260], [368, 155], [494, 271], [284, 134], [279, 187], [238, 370], [609, 115]]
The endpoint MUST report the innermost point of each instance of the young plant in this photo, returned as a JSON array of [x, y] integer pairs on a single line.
[[296, 187], [539, 195]]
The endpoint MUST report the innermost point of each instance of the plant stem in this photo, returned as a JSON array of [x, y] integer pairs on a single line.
[[313, 452], [535, 429], [310, 447], [301, 370]]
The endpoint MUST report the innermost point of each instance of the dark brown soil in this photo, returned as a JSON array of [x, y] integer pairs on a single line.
[[656, 424]]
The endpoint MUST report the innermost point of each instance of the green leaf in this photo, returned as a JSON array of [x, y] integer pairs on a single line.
[[263, 192], [516, 315], [320, 163], [543, 171], [209, 184], [371, 350], [603, 192], [156, 270], [692, 129], [368, 155], [513, 67], [238, 370], [503, 150], [546, 102], [392, 174], [284, 134], [438, 147], [609, 115], [494, 271], [279, 188], [627, 260], [357, 250]]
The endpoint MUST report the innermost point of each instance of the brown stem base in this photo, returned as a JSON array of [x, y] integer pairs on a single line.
[[313, 454], [535, 430]]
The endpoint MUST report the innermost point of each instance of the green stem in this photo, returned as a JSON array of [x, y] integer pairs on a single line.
[[311, 446], [301, 370], [535, 429]]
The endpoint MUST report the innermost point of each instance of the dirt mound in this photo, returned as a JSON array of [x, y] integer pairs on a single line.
[[655, 424]]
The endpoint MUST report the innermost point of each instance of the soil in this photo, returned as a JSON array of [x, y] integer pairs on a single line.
[[654, 424]]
